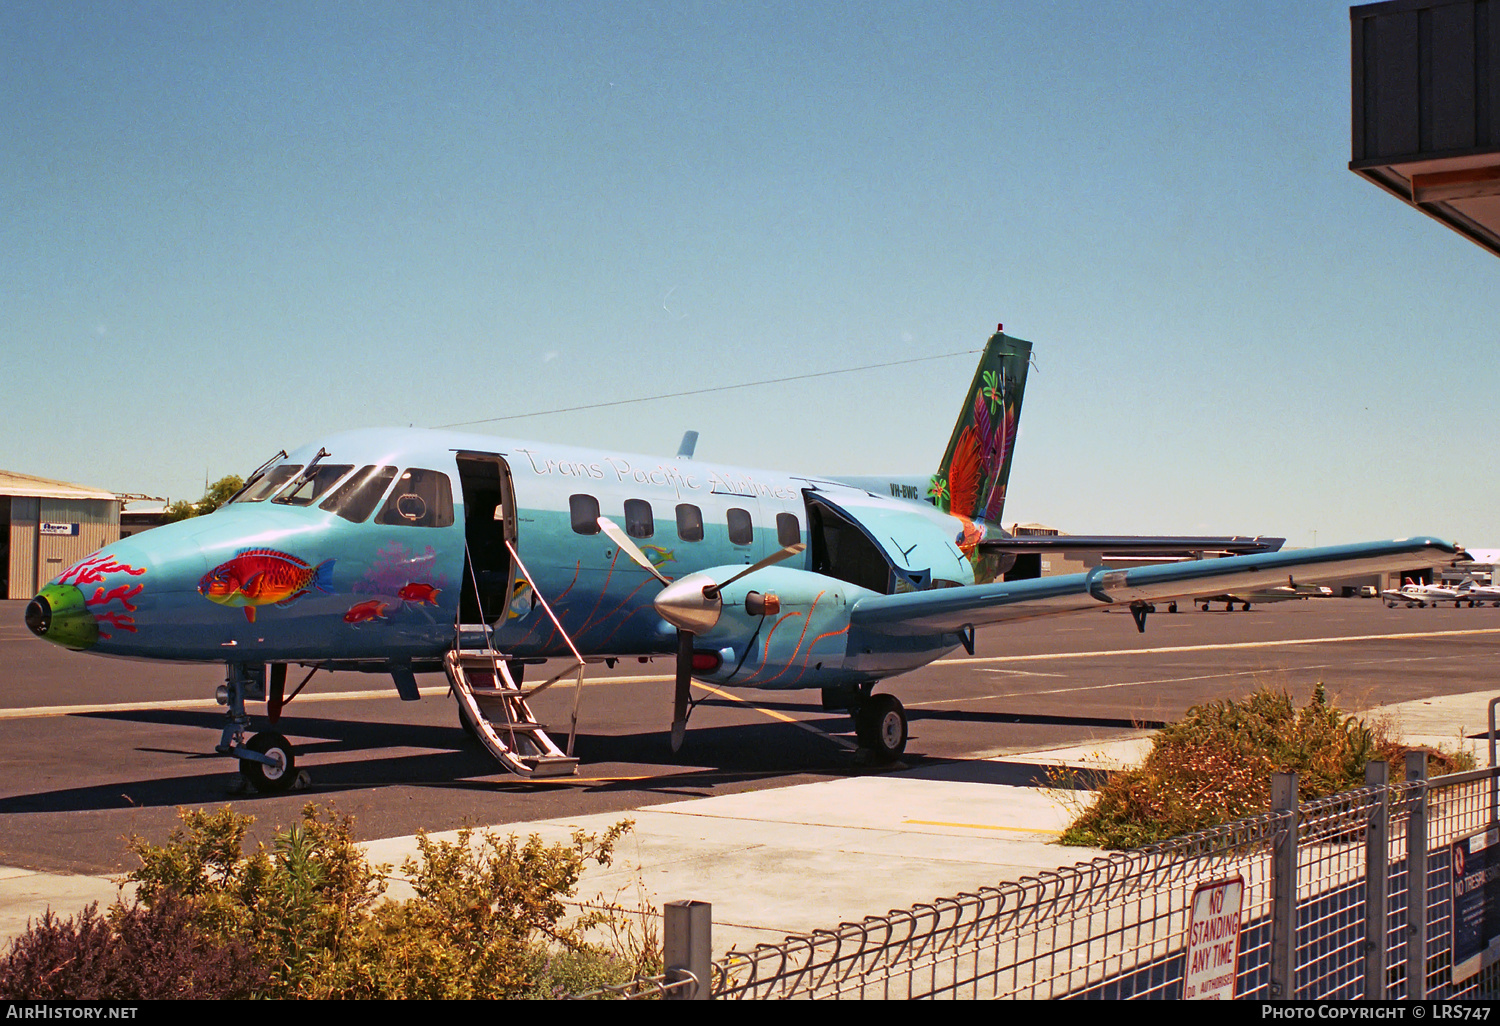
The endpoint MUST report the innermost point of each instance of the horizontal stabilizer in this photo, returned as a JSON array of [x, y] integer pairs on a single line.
[[946, 610]]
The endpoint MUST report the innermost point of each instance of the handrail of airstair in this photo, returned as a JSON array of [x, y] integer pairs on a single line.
[[578, 664]]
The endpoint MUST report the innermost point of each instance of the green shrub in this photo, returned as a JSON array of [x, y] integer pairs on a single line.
[[488, 919], [1215, 766], [294, 903]]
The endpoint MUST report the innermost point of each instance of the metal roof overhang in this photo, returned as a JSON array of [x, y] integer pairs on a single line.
[[14, 484], [1461, 191]]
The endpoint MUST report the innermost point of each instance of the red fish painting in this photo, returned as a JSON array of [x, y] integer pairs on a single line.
[[364, 612], [258, 577], [419, 593]]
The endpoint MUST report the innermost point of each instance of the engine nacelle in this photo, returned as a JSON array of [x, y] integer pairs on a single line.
[[775, 628]]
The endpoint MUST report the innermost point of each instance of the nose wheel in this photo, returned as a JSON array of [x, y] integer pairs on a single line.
[[266, 760], [278, 770]]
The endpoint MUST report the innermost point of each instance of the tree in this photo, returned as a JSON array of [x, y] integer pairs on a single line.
[[216, 495]]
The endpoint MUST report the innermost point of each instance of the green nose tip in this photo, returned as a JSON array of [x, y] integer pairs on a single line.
[[59, 615]]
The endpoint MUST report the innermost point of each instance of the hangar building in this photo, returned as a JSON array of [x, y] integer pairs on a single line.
[[47, 526]]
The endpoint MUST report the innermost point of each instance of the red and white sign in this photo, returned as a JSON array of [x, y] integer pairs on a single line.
[[1213, 941]]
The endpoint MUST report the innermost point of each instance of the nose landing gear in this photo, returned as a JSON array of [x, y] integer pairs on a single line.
[[278, 772], [267, 761]]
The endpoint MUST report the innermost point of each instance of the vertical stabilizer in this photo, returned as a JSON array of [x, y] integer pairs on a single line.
[[970, 482]]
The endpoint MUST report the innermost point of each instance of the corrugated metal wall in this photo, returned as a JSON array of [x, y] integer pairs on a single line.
[[1426, 80], [36, 558], [23, 515]]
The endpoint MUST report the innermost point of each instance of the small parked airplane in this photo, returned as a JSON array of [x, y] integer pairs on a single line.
[[1414, 593], [409, 551], [1284, 593], [1479, 594]]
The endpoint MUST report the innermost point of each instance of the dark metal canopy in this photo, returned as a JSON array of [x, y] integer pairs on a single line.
[[1426, 105]]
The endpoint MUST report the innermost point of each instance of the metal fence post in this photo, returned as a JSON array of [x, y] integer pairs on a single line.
[[1416, 879], [1377, 879], [687, 947], [1284, 887]]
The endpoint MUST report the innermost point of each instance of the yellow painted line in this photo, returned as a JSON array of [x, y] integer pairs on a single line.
[[773, 714], [1223, 647], [196, 703], [361, 696], [981, 826]]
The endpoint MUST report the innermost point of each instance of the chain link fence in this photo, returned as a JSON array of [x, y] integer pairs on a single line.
[[1325, 894]]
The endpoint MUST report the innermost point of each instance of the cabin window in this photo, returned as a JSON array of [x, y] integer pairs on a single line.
[[272, 482], [741, 530], [310, 488], [421, 498], [638, 521], [356, 498], [788, 529], [584, 510], [689, 522]]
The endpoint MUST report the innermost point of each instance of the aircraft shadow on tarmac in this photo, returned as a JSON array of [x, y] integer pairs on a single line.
[[914, 715], [713, 756]]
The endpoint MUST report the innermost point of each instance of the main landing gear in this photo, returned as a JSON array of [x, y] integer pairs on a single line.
[[879, 720], [266, 760]]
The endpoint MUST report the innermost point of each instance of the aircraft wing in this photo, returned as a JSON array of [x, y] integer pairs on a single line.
[[944, 610], [1131, 545]]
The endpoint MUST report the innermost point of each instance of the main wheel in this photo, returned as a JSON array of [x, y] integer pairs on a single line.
[[270, 779], [880, 725]]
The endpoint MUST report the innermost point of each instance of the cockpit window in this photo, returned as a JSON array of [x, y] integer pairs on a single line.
[[258, 490], [421, 498], [311, 487], [356, 498]]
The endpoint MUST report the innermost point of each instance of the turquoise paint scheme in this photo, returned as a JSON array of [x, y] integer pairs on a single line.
[[355, 615], [264, 582]]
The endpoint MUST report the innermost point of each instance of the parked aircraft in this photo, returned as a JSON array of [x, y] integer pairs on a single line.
[[409, 551], [1479, 594], [1414, 593], [1284, 593]]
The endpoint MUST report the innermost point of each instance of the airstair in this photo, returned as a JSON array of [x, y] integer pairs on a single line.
[[496, 707]]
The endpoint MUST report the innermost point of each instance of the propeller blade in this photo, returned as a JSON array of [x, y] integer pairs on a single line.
[[629, 547], [771, 560], [680, 694]]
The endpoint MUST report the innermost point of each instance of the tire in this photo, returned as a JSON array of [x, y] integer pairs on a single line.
[[270, 779], [880, 725]]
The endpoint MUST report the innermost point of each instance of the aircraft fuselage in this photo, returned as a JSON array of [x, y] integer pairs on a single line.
[[369, 555]]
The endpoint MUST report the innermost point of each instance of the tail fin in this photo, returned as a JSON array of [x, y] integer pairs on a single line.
[[970, 482]]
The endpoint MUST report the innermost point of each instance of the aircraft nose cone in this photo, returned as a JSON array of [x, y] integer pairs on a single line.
[[38, 616], [60, 615]]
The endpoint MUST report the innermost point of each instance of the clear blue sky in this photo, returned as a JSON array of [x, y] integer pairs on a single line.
[[230, 228]]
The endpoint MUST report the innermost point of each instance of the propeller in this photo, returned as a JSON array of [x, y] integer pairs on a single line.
[[690, 604]]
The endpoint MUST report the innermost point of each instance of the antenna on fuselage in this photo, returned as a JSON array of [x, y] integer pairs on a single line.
[[689, 443]]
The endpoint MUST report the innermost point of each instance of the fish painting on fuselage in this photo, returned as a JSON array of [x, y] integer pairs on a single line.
[[404, 551]]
